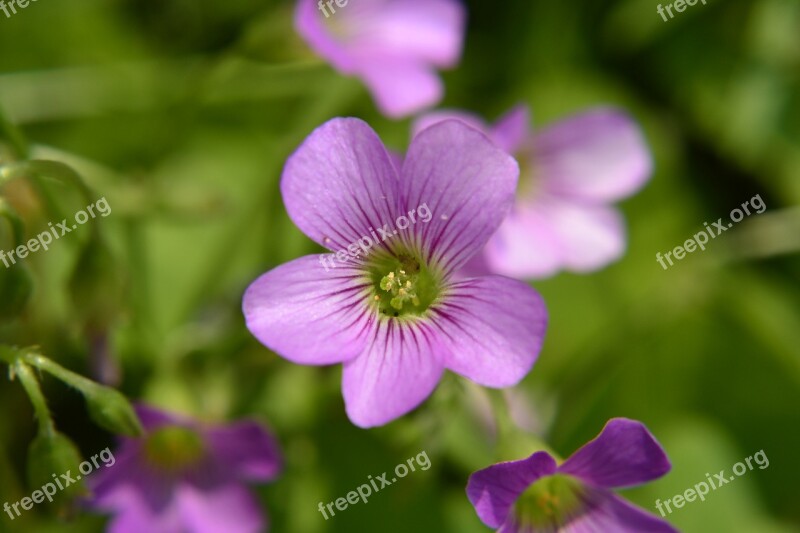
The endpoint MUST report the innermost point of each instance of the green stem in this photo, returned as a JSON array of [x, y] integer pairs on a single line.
[[505, 424], [67, 376], [34, 391], [139, 269], [513, 442], [14, 356]]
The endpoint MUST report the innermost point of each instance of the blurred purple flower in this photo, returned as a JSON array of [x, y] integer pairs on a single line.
[[394, 46], [183, 476], [571, 172], [394, 314], [536, 495]]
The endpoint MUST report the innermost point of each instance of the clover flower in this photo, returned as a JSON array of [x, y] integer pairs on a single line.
[[183, 476], [394, 313], [394, 46], [572, 171], [537, 495]]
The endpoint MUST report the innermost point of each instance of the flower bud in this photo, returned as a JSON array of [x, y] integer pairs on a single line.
[[112, 411], [53, 468]]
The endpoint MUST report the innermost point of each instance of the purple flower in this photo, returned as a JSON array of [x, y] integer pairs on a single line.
[[389, 308], [394, 46], [536, 495], [183, 476], [571, 172]]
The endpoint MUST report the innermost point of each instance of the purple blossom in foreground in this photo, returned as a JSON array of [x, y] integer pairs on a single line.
[[183, 476], [394, 314], [537, 495], [394, 46], [572, 172]]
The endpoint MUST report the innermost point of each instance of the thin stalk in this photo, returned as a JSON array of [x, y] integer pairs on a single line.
[[67, 376], [34, 391]]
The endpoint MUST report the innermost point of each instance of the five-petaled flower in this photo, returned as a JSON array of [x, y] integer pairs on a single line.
[[394, 46], [537, 495], [571, 172], [186, 476], [397, 316]]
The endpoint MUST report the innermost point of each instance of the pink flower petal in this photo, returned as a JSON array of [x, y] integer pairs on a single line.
[[512, 129], [525, 246], [549, 234], [590, 237], [309, 315], [509, 133], [467, 183], [136, 515], [393, 45], [245, 449], [394, 375], [599, 156], [401, 86], [340, 184], [493, 329], [625, 454], [608, 512], [426, 31], [440, 115], [494, 490], [227, 508]]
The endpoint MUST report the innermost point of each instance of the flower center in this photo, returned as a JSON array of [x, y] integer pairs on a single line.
[[550, 502], [174, 448], [402, 285]]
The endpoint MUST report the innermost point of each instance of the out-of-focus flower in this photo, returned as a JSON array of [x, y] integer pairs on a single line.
[[394, 46], [184, 476], [572, 172], [537, 495], [393, 312]]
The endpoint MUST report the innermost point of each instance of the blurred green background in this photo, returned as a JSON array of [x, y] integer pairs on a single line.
[[181, 113]]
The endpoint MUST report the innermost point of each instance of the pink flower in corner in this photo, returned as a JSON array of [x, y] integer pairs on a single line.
[[394, 46], [571, 173], [186, 476]]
